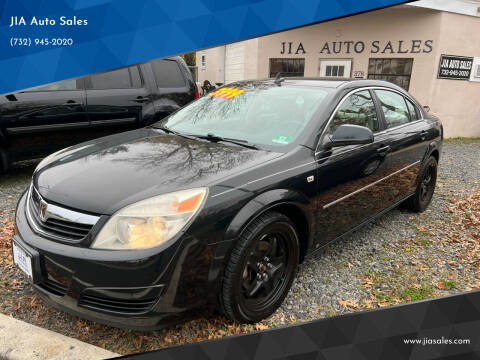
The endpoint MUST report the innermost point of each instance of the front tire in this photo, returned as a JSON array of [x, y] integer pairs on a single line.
[[427, 179], [261, 269]]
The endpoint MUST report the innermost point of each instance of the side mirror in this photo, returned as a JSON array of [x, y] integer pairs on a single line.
[[351, 135], [427, 108]]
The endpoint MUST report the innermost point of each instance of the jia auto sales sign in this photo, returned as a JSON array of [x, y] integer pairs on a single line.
[[455, 67]]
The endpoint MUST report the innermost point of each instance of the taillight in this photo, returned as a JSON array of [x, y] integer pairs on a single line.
[[197, 95]]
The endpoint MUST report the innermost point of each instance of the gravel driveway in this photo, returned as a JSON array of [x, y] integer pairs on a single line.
[[399, 257]]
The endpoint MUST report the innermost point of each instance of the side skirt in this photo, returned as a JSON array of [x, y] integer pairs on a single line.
[[373, 217]]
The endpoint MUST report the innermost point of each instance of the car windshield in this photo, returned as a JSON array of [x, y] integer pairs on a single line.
[[257, 113]]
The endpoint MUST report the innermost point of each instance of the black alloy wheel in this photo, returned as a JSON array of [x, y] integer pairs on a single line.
[[425, 188], [261, 269]]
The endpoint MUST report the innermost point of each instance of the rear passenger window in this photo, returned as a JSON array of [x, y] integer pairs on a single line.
[[125, 78], [135, 76], [167, 74], [357, 109], [394, 108], [72, 84], [412, 110]]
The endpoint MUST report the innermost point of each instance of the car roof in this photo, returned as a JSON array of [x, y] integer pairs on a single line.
[[328, 82], [333, 82]]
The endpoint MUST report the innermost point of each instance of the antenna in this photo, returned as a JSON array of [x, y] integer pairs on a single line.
[[278, 79]]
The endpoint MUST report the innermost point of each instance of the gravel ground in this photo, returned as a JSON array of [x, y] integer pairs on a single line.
[[399, 257], [12, 186]]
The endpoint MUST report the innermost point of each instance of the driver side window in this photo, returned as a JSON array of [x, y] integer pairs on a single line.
[[357, 109]]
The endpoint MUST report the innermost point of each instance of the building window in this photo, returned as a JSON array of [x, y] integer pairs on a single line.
[[397, 71], [288, 67], [335, 70], [204, 61], [335, 67]]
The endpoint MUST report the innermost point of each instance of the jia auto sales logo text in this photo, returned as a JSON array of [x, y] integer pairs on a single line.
[[359, 47]]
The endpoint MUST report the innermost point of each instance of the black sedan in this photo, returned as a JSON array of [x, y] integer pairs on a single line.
[[217, 204]]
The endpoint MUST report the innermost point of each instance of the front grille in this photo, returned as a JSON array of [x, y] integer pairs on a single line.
[[116, 305], [53, 287], [55, 226]]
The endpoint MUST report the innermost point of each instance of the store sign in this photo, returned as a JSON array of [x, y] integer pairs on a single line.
[[455, 67], [359, 47]]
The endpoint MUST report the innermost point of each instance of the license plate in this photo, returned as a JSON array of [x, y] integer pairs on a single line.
[[23, 260]]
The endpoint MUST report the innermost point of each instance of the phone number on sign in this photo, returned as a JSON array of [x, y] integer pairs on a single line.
[[41, 42]]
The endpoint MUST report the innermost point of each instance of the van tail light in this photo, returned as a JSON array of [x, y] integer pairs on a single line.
[[197, 95]]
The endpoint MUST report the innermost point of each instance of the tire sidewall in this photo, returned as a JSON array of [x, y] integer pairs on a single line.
[[422, 205], [274, 222]]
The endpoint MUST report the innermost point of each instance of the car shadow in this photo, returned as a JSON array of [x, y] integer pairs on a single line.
[[19, 172]]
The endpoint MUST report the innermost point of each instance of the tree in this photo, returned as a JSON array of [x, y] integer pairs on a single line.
[[190, 58]]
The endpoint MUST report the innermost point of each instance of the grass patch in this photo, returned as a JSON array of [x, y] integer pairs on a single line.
[[331, 312], [414, 294], [420, 232], [384, 247], [368, 274], [462, 140], [448, 284], [423, 242], [382, 296]]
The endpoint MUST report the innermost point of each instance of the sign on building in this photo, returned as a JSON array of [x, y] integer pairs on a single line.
[[455, 67]]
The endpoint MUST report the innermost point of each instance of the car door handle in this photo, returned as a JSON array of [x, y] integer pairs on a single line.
[[72, 103], [423, 134], [383, 149], [141, 99]]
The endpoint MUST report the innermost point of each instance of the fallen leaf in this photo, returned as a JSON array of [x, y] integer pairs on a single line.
[[348, 303], [260, 326]]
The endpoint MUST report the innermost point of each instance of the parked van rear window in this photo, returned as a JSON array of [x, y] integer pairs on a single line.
[[125, 78], [167, 74]]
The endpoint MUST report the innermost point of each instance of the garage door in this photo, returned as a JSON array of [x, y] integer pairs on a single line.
[[234, 62]]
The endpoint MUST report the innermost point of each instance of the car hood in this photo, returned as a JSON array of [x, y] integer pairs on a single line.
[[104, 175]]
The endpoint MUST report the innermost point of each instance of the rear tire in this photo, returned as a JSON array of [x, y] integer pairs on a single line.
[[427, 179], [261, 269]]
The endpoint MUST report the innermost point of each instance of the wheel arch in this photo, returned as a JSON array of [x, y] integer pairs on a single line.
[[295, 205], [433, 150]]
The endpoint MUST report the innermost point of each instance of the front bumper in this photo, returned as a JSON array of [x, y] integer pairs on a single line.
[[146, 289]]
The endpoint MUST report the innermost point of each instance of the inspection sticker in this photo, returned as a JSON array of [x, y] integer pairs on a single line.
[[227, 93], [282, 139]]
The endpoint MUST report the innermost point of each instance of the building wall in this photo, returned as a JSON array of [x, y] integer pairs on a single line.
[[457, 102], [422, 34], [214, 69], [394, 24], [251, 60]]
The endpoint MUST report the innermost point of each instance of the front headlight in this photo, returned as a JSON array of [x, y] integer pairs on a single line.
[[151, 222]]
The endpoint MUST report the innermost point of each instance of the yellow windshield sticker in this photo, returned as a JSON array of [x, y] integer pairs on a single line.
[[227, 93]]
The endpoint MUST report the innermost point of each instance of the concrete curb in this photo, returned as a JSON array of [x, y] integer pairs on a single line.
[[20, 340]]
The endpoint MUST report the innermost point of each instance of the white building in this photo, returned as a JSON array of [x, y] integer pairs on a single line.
[[430, 47]]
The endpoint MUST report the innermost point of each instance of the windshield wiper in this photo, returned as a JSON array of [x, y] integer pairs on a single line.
[[209, 137], [165, 129], [170, 131], [215, 138]]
